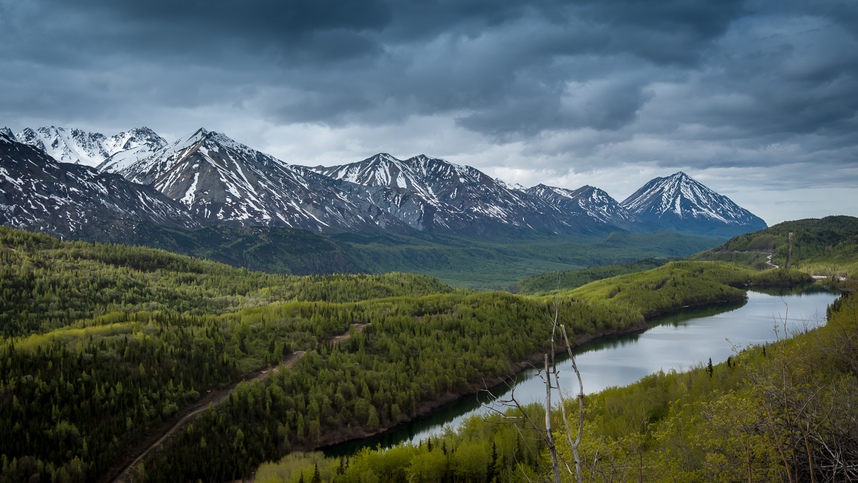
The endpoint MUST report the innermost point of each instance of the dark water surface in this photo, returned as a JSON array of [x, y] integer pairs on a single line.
[[679, 341]]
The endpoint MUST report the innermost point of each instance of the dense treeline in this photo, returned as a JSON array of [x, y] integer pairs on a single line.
[[416, 350], [79, 396], [681, 284], [568, 280], [827, 246], [462, 262], [46, 284], [270, 249], [779, 412], [102, 342], [499, 264]]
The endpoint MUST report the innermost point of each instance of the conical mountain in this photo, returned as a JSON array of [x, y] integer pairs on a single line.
[[679, 203]]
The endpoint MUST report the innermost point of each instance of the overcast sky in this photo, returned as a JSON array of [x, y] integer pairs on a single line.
[[756, 99]]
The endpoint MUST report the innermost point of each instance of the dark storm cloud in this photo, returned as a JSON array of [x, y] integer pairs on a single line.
[[207, 31], [390, 60], [724, 83]]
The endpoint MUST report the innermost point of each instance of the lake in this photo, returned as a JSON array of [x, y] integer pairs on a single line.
[[678, 341]]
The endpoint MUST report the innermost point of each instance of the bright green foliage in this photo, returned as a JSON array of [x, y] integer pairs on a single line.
[[483, 450], [680, 284], [88, 392], [827, 246], [415, 350], [46, 284], [560, 281], [782, 412], [102, 342]]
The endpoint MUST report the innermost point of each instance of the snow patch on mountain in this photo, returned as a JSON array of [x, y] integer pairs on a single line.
[[40, 193], [678, 200]]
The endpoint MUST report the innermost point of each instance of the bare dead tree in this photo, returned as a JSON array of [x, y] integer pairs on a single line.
[[577, 442], [550, 374]]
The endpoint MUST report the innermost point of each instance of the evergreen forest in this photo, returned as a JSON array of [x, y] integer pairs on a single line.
[[103, 345]]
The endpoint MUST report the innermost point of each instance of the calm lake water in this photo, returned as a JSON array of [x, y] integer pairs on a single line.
[[679, 341]]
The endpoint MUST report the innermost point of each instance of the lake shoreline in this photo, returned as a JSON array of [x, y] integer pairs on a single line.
[[427, 407]]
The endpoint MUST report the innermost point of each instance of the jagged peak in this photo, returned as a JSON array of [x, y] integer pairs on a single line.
[[424, 159], [510, 186], [142, 130], [197, 137], [7, 133], [382, 158]]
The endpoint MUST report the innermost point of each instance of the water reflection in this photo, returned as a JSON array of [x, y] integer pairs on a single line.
[[678, 341], [798, 290]]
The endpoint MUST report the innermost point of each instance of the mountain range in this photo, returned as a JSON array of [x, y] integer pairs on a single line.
[[72, 182]]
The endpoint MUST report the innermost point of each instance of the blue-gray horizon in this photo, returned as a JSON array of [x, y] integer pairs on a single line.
[[756, 99]]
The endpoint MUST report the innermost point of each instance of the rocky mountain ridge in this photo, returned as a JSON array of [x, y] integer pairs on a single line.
[[218, 180], [41, 194]]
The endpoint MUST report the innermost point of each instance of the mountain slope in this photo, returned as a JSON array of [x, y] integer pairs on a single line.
[[89, 148], [129, 147], [222, 180], [66, 145], [587, 201], [679, 203], [434, 195], [39, 193]]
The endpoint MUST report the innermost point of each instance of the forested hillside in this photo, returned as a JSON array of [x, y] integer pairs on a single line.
[[101, 343], [46, 284], [570, 279], [446, 345], [826, 246], [779, 412], [486, 264]]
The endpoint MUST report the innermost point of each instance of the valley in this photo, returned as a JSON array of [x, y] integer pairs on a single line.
[[121, 354], [208, 196], [135, 354]]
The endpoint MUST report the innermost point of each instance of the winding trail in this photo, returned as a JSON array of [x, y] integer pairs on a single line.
[[120, 471], [769, 260]]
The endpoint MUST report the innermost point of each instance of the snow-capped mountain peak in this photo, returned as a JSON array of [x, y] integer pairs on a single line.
[[585, 202], [129, 147], [40, 193], [218, 179], [90, 148], [434, 194], [681, 199], [67, 145], [510, 186]]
